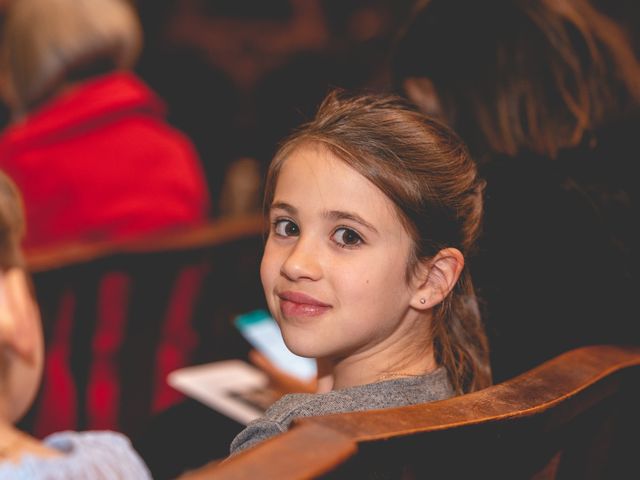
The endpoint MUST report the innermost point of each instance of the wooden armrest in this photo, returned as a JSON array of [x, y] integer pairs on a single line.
[[563, 380], [564, 386], [309, 450], [154, 303], [217, 232]]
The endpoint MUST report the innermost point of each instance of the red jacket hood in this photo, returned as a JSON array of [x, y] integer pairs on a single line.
[[101, 99]]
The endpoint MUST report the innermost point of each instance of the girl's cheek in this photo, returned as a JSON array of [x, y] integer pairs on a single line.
[[269, 267], [264, 269]]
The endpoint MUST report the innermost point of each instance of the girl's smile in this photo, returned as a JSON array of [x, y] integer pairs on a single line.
[[297, 305]]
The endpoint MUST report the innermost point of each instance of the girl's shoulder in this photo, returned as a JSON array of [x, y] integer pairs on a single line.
[[396, 392], [390, 392]]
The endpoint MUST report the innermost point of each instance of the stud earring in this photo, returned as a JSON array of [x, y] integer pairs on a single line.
[[423, 301]]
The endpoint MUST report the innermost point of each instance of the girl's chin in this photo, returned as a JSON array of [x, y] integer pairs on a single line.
[[302, 347]]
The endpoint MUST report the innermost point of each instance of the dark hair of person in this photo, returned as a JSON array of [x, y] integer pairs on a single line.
[[424, 168], [515, 75]]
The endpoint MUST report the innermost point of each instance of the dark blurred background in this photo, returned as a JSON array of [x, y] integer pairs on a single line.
[[238, 75]]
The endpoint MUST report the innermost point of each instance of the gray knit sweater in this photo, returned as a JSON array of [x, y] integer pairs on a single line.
[[387, 394]]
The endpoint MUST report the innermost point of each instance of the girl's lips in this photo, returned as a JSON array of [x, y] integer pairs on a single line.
[[296, 304]]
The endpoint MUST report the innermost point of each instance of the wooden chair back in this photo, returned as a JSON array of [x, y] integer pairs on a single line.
[[118, 317], [574, 417]]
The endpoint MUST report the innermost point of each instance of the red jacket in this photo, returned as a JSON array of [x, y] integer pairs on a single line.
[[100, 162]]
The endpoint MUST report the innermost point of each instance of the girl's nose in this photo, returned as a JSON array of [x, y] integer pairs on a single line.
[[302, 262]]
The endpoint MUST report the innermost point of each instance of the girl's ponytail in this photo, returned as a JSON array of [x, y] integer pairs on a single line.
[[460, 343]]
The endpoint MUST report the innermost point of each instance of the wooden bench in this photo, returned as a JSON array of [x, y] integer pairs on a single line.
[[575, 417], [119, 316]]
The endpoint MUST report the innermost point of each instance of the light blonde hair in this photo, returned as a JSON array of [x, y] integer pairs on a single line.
[[49, 42]]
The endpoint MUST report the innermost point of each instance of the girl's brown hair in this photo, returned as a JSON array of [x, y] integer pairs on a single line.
[[427, 172], [514, 75]]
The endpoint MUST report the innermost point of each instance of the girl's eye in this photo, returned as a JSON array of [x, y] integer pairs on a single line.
[[286, 228], [345, 237]]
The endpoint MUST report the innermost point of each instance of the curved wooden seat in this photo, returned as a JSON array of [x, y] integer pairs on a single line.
[[119, 316], [574, 416], [200, 237]]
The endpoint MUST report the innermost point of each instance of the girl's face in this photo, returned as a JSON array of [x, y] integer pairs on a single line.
[[334, 265]]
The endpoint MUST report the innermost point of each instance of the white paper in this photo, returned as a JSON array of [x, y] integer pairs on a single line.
[[214, 383]]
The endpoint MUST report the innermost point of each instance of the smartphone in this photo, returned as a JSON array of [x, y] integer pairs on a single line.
[[263, 333]]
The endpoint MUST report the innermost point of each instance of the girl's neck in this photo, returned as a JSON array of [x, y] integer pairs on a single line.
[[361, 370], [407, 351], [351, 375]]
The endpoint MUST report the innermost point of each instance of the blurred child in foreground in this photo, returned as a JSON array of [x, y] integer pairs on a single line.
[[64, 455]]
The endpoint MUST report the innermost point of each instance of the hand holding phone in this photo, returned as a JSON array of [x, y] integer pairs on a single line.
[[280, 381], [263, 333]]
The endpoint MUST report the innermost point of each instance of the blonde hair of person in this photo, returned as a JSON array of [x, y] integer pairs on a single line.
[[48, 43]]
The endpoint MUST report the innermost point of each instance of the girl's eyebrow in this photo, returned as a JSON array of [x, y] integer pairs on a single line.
[[354, 217], [331, 214], [290, 209]]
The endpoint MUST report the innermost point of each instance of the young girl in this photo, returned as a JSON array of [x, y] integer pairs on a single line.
[[373, 208], [64, 455]]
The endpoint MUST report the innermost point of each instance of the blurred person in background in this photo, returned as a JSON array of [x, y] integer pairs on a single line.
[[88, 145], [240, 74], [68, 455], [627, 14], [546, 94]]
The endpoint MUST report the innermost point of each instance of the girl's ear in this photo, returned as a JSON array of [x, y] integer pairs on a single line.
[[19, 316], [436, 278]]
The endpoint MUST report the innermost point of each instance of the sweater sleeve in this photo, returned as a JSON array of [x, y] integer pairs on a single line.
[[256, 432], [276, 420]]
